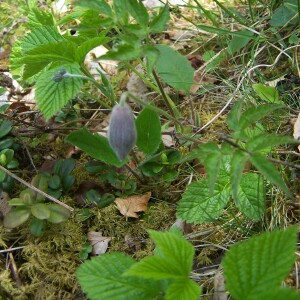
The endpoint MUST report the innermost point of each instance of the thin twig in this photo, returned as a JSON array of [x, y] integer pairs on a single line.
[[11, 249], [35, 189]]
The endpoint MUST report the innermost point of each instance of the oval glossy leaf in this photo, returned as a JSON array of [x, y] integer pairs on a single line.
[[94, 145], [58, 213], [148, 131], [5, 128], [266, 93], [16, 217], [174, 68], [40, 211]]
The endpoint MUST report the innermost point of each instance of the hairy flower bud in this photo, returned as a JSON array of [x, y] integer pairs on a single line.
[[122, 131]]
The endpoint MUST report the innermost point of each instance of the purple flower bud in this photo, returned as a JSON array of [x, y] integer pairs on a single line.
[[122, 131]]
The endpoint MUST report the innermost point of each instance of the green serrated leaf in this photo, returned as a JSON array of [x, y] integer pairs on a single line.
[[123, 52], [253, 267], [234, 116], [174, 68], [16, 217], [148, 131], [52, 95], [160, 21], [102, 278], [173, 258], [138, 11], [237, 166], [266, 93], [87, 46], [183, 289], [40, 36], [198, 205], [99, 6], [38, 18], [267, 169], [251, 197], [94, 145], [254, 114], [121, 12], [268, 141]]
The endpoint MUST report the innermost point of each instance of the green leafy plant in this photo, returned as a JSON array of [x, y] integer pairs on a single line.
[[205, 199], [8, 146], [31, 205], [254, 269], [162, 276], [61, 180]]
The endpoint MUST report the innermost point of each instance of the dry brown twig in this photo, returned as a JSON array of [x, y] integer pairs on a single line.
[[35, 189]]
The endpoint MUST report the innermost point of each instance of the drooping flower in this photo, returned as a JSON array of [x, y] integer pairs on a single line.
[[122, 131]]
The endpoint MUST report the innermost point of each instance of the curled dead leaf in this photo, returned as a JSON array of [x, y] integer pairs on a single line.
[[130, 206], [99, 242]]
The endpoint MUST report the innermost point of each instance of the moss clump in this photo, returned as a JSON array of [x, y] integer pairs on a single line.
[[130, 236]]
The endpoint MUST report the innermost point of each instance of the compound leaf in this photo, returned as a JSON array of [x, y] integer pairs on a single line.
[[258, 265], [199, 205], [102, 278], [250, 197], [269, 171]]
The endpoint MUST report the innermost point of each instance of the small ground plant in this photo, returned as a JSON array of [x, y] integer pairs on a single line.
[[210, 138]]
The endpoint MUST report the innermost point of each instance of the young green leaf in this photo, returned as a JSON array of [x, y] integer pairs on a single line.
[[198, 205], [254, 114], [183, 289], [5, 128], [237, 165], [94, 145], [238, 42], [52, 95], [148, 131], [253, 267], [172, 260], [266, 93], [39, 18], [251, 197], [16, 217], [87, 46], [281, 16], [99, 6], [40, 211], [268, 141], [138, 11], [160, 21], [102, 278], [174, 68], [267, 169], [58, 213]]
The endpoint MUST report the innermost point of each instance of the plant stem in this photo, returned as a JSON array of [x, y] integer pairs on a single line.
[[163, 94]]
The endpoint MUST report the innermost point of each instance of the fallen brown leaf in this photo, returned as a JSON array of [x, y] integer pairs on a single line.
[[130, 206], [99, 242]]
